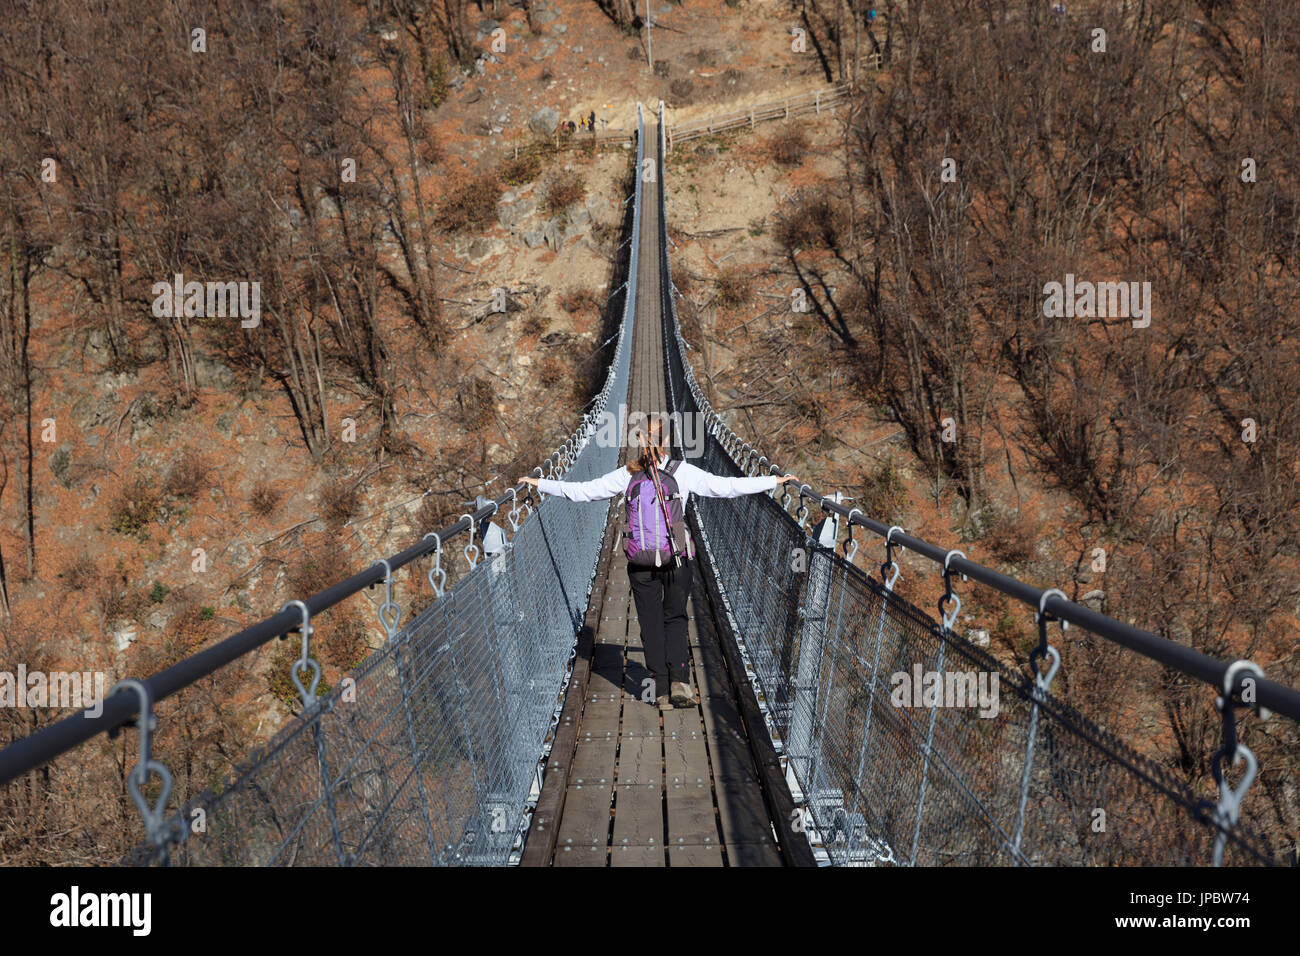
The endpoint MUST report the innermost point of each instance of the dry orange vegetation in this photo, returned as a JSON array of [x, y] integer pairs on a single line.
[[926, 304], [172, 434]]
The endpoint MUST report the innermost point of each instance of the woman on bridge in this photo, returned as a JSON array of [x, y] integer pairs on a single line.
[[658, 549]]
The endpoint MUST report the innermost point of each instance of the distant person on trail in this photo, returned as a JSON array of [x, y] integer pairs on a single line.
[[591, 121], [658, 550]]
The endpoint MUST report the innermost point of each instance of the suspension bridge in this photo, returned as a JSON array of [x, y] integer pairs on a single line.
[[503, 724]]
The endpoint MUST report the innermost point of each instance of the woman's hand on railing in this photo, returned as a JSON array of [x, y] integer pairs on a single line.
[[786, 480], [527, 481]]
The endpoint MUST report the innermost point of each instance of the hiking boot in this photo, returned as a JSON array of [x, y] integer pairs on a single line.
[[664, 703], [681, 695]]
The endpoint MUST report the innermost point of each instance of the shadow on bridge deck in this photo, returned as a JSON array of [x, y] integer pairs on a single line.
[[627, 785]]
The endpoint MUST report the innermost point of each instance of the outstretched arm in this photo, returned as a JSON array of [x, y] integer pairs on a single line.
[[598, 489], [700, 482]]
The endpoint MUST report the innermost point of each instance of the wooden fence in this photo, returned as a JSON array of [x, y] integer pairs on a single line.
[[813, 102]]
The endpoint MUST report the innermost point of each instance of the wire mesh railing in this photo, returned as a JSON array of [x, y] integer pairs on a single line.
[[430, 754], [906, 743]]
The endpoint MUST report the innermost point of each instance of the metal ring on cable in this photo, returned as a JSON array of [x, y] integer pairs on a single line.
[[1044, 681], [1230, 674], [950, 618], [889, 537], [472, 562], [437, 576], [306, 661], [145, 764], [802, 514], [389, 609], [849, 555], [513, 514], [948, 557], [1042, 602], [1230, 798]]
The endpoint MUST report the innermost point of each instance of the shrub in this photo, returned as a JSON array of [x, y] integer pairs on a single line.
[[431, 515], [187, 477], [438, 84], [340, 500], [815, 224], [472, 202], [883, 494], [553, 372], [564, 189], [788, 146], [431, 151], [309, 575], [521, 169], [1011, 537], [158, 592], [82, 573], [264, 499], [580, 300], [116, 598], [190, 628], [477, 404], [343, 643], [735, 288], [135, 505]]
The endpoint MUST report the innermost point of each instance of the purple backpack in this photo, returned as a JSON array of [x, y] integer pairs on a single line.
[[656, 528]]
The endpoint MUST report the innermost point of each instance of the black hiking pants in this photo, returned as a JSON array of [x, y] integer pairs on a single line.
[[660, 595]]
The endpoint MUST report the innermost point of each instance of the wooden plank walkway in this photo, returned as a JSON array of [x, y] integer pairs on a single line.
[[650, 788], [627, 784]]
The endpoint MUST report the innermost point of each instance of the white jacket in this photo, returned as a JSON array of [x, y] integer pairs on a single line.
[[690, 480]]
